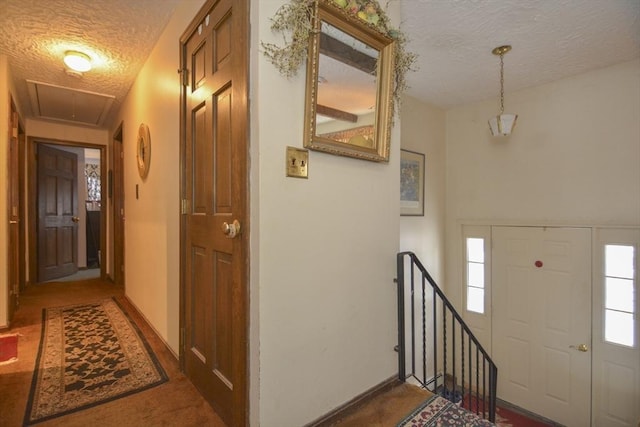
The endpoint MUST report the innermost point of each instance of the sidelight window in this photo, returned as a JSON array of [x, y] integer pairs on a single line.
[[620, 298], [475, 274]]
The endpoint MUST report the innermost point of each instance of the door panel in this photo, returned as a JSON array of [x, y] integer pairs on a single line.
[[214, 351], [118, 209], [57, 213], [541, 313]]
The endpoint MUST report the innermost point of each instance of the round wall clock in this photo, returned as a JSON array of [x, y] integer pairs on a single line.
[[143, 151]]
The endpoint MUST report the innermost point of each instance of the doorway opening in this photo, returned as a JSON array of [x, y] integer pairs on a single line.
[[66, 199]]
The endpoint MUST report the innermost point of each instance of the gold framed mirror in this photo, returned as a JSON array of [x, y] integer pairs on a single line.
[[349, 88]]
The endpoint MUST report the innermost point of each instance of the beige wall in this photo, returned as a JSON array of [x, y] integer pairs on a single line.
[[573, 158], [152, 225], [323, 257], [423, 131], [67, 133]]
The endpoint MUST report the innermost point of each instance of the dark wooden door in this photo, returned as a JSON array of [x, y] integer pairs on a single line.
[[13, 241], [215, 254], [118, 208], [57, 213]]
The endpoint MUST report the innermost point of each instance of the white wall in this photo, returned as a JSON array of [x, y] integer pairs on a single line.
[[572, 159], [152, 225], [326, 249], [423, 131]]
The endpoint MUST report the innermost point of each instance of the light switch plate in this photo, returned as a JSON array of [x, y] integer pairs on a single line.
[[297, 162]]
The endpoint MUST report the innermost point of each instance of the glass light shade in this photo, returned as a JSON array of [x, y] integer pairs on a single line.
[[77, 61], [503, 124]]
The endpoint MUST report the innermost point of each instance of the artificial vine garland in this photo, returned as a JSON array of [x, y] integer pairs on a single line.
[[295, 17]]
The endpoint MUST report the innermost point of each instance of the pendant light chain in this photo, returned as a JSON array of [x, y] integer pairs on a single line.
[[501, 83], [502, 124]]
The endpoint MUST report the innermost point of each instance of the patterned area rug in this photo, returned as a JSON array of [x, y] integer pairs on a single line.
[[89, 354], [438, 411], [504, 417]]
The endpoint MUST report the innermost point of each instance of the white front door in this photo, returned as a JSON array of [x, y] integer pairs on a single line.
[[541, 320]]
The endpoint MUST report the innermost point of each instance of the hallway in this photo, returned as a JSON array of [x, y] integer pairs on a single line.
[[174, 403]]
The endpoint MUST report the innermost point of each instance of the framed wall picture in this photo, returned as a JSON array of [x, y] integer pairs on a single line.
[[411, 183]]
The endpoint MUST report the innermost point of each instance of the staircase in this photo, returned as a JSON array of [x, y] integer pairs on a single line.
[[436, 349]]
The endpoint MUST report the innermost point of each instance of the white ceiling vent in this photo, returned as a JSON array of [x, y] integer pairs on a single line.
[[69, 105]]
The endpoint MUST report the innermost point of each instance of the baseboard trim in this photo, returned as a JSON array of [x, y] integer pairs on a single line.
[[146, 321], [355, 403]]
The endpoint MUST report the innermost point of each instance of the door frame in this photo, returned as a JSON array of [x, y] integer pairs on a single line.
[[482, 228], [116, 197], [32, 199], [16, 267], [22, 191]]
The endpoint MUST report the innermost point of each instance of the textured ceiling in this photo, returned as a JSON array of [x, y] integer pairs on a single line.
[[117, 34], [551, 39]]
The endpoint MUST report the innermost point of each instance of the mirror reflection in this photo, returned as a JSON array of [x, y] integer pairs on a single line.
[[346, 102], [349, 84]]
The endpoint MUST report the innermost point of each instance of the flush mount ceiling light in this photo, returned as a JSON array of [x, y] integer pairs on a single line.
[[77, 61], [502, 124]]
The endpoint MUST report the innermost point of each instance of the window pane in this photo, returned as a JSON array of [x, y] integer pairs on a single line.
[[475, 300], [475, 275], [619, 294], [619, 261], [475, 250], [618, 327]]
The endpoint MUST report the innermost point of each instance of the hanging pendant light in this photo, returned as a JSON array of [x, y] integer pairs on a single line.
[[502, 124]]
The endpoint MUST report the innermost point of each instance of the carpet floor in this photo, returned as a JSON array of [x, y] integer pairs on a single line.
[[506, 417], [386, 409], [392, 407], [174, 403], [438, 411]]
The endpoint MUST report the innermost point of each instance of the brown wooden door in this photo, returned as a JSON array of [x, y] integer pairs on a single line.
[[14, 247], [118, 209], [57, 213], [215, 265]]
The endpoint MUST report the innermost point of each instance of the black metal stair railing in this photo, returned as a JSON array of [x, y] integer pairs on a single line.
[[439, 351]]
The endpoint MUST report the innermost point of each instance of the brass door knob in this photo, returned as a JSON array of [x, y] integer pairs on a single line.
[[581, 347], [75, 219], [231, 230]]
